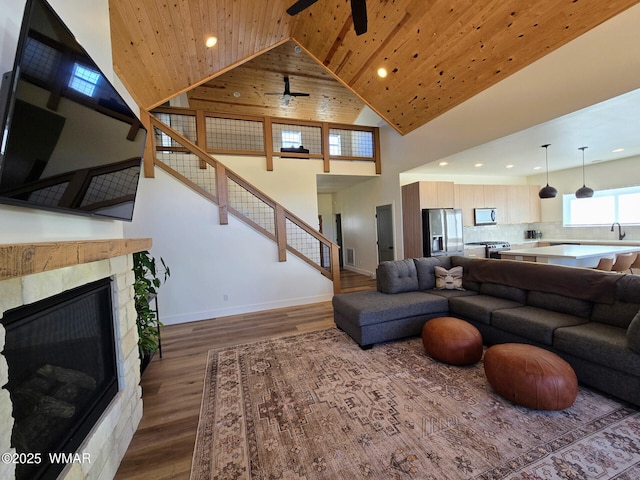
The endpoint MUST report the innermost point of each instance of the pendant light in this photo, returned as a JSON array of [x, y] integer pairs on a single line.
[[584, 191], [547, 192]]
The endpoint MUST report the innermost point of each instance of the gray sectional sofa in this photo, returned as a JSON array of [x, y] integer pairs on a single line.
[[588, 317]]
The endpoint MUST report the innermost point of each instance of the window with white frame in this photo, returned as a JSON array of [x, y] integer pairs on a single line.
[[291, 138], [604, 208], [335, 147]]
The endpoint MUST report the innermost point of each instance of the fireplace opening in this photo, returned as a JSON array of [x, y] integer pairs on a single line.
[[62, 372]]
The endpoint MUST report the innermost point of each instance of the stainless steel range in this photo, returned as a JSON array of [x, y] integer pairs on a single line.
[[492, 247]]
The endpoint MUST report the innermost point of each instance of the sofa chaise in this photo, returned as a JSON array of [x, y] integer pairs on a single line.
[[588, 317]]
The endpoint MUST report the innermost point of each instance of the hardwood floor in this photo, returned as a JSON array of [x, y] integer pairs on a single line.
[[172, 386]]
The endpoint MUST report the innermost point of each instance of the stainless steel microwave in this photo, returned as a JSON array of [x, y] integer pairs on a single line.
[[485, 216]]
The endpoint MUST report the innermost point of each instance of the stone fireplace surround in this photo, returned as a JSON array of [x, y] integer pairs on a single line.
[[32, 272]]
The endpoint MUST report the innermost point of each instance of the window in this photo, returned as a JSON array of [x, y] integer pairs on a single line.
[[604, 208], [84, 80], [291, 139], [334, 144]]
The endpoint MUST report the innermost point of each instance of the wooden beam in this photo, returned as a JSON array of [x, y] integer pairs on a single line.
[[149, 146], [20, 259]]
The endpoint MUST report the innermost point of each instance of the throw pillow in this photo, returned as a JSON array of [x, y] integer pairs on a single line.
[[448, 279]]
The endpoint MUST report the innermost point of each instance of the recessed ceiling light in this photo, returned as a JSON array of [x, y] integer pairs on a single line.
[[442, 164], [297, 49], [478, 164], [537, 168], [236, 94], [617, 150], [508, 166], [211, 41], [382, 72]]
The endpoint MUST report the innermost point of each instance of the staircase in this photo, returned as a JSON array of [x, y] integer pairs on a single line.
[[194, 167]]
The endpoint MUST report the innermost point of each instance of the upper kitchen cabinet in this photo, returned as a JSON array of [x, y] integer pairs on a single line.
[[467, 198], [435, 194]]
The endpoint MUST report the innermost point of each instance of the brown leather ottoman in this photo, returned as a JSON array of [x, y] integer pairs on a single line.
[[531, 376], [452, 341]]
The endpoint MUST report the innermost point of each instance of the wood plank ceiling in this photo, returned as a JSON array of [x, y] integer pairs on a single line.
[[438, 53]]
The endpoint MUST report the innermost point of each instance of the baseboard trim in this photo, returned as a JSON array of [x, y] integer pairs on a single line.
[[241, 309]]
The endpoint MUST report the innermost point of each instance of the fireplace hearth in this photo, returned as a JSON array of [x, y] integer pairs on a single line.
[[62, 372]]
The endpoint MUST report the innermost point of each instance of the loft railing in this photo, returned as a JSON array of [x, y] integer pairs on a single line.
[[193, 166], [227, 134]]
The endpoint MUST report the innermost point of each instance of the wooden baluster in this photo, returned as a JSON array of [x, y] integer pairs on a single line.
[[281, 233], [223, 193]]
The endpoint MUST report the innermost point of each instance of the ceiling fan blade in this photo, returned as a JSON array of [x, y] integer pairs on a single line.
[[359, 15], [299, 6], [298, 94]]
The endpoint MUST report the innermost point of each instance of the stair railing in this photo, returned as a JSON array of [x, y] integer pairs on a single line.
[[200, 171]]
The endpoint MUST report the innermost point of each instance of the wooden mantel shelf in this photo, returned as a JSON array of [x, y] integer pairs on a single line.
[[20, 259]]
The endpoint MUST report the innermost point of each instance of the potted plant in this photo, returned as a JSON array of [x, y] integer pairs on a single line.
[[147, 281]]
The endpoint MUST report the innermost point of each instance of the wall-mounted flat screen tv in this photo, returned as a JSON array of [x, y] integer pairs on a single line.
[[70, 142]]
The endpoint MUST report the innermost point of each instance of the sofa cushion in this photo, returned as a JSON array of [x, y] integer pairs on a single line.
[[533, 323], [452, 293], [575, 282], [633, 334], [448, 279], [371, 307], [425, 268], [559, 303], [504, 291], [628, 288], [465, 262], [599, 343], [479, 307], [397, 276], [619, 314]]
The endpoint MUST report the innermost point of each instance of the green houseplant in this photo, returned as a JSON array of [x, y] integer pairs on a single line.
[[147, 282]]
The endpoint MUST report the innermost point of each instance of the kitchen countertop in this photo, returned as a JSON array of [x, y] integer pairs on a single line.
[[575, 255], [626, 243]]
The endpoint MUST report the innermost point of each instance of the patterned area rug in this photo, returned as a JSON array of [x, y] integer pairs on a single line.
[[316, 406]]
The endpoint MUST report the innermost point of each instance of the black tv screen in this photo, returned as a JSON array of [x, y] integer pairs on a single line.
[[70, 142]]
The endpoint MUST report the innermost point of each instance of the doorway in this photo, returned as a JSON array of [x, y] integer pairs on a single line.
[[384, 225], [339, 239]]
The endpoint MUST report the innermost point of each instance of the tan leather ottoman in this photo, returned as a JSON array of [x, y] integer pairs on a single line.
[[531, 376], [452, 341]]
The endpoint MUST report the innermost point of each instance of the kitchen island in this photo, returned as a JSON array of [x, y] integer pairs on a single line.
[[572, 255]]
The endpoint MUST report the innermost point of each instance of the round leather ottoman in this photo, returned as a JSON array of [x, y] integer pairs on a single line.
[[531, 376], [452, 341]]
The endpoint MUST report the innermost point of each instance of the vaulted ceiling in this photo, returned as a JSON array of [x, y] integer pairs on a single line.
[[438, 53]]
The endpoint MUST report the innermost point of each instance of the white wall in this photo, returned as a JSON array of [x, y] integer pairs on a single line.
[[210, 262], [599, 176], [90, 22]]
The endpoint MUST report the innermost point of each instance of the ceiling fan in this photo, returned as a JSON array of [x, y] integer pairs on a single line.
[[288, 94], [358, 12]]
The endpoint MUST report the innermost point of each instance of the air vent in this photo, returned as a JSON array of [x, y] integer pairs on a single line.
[[351, 257]]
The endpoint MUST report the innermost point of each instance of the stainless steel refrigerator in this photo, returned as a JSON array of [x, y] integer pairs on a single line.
[[442, 232]]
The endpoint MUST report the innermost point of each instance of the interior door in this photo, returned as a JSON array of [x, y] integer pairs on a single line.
[[384, 223]]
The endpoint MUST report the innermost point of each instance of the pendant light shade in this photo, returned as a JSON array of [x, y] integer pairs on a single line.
[[548, 191], [584, 191]]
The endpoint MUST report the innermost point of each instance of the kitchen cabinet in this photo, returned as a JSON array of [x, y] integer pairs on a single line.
[[469, 197], [416, 197]]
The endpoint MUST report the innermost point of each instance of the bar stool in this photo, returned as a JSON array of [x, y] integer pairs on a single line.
[[605, 264], [623, 261]]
